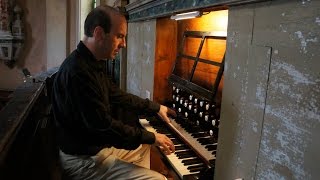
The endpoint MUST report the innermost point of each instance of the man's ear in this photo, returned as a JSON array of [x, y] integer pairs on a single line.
[[98, 33]]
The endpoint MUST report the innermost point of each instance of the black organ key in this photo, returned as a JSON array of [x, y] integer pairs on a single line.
[[194, 167], [191, 161], [170, 136], [180, 153], [181, 147], [214, 152], [200, 134], [187, 155], [212, 161], [211, 147], [176, 141], [206, 140], [195, 176], [163, 131]]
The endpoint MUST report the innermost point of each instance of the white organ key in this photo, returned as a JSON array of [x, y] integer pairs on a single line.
[[146, 125], [179, 166], [192, 141], [176, 163]]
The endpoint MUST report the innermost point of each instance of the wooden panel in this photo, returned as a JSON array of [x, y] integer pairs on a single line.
[[213, 49], [165, 55]]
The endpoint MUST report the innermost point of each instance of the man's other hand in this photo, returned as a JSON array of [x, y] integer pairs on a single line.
[[164, 143], [165, 112]]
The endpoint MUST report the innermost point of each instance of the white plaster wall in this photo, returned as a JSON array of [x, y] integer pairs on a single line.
[[270, 116], [56, 21], [45, 40], [140, 57], [33, 54]]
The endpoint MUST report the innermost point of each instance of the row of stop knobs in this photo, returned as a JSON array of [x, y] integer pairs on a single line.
[[198, 111]]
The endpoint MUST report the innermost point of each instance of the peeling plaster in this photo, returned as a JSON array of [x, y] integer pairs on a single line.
[[283, 138], [271, 175], [283, 29], [132, 84], [297, 76], [147, 47], [304, 2], [254, 126], [233, 39], [292, 138], [226, 66], [260, 94], [287, 131], [304, 42], [318, 20], [268, 53]]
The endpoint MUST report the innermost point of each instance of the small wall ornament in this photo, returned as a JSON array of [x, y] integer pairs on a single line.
[[11, 31]]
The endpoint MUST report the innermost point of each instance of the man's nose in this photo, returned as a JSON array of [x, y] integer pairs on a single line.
[[123, 43]]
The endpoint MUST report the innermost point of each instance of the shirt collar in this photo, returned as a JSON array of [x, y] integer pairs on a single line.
[[91, 60]]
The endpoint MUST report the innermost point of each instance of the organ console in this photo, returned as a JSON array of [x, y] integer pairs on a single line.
[[194, 131], [195, 138]]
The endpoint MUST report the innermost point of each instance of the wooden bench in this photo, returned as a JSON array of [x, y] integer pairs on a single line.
[[27, 142]]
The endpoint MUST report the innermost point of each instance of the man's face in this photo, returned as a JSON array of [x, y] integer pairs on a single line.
[[116, 39]]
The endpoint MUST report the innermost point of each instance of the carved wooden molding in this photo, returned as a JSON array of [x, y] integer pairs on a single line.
[[11, 31], [150, 9]]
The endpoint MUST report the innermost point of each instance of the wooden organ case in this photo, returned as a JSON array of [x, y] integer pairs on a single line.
[[195, 96]]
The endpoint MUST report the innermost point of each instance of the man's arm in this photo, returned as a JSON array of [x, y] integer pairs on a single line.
[[132, 101], [92, 117], [165, 112]]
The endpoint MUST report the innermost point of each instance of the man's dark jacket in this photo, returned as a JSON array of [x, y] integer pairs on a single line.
[[82, 96]]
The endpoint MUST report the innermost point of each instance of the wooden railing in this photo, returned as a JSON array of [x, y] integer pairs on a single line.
[[5, 96], [27, 145]]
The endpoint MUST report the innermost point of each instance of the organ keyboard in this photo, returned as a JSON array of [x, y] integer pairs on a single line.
[[193, 157]]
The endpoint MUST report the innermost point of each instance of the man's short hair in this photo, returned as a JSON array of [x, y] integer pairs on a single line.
[[99, 16]]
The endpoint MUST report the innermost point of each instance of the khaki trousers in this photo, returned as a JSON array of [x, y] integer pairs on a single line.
[[111, 164], [139, 156]]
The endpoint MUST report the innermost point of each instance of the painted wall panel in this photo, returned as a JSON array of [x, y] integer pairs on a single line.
[[140, 57], [284, 108], [235, 96]]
